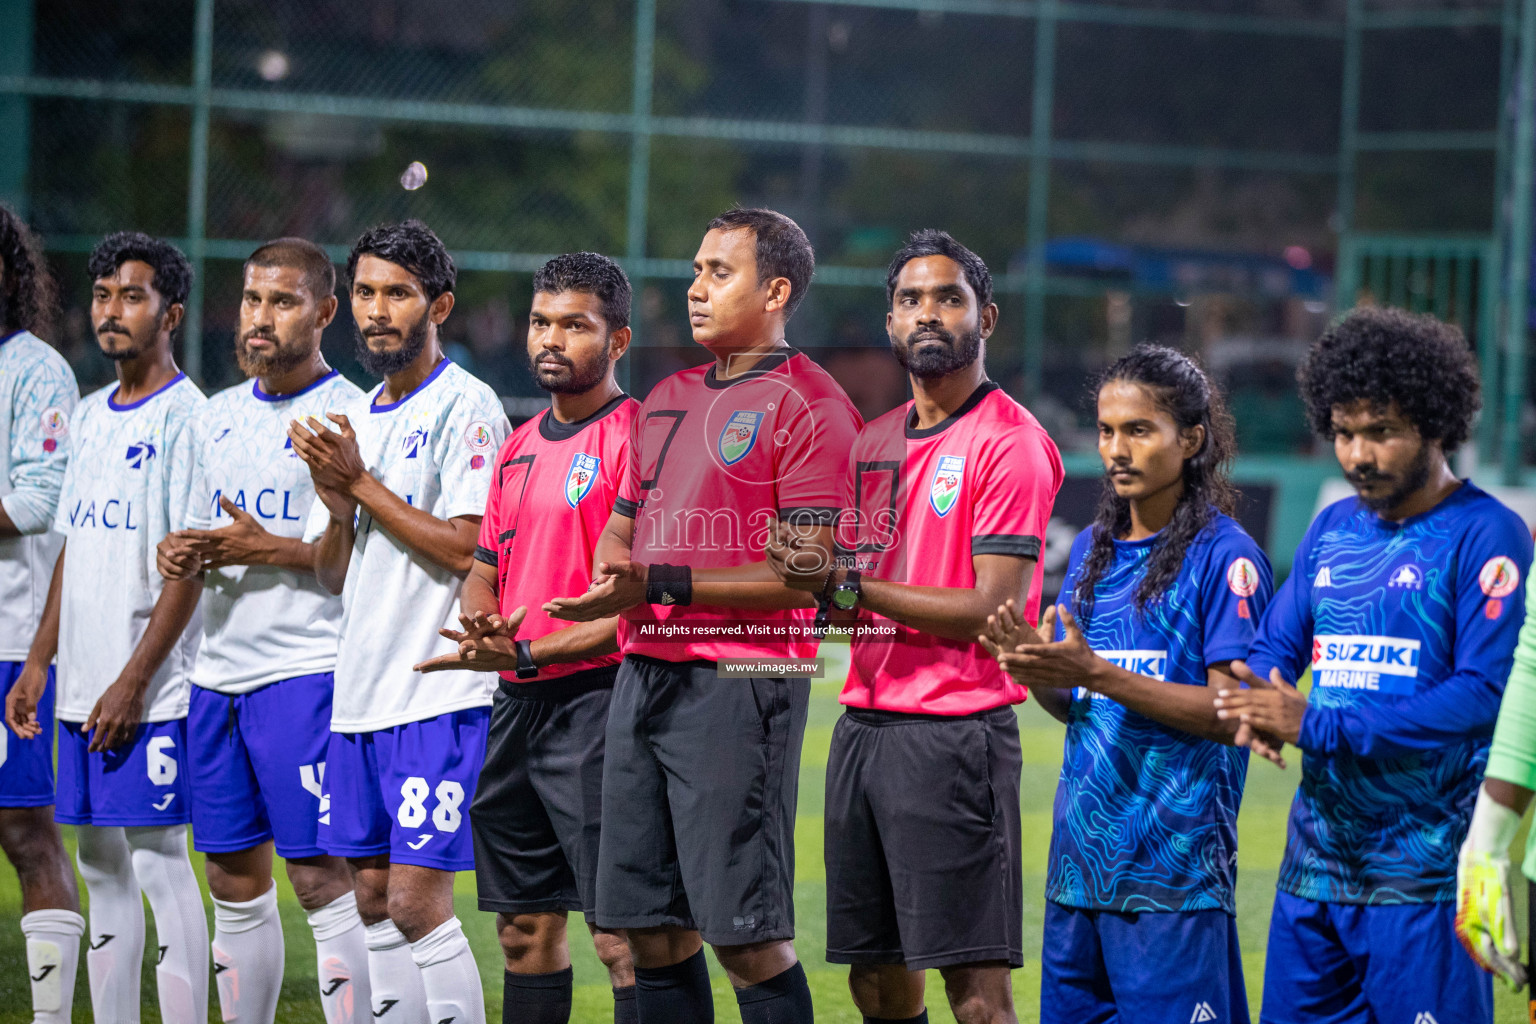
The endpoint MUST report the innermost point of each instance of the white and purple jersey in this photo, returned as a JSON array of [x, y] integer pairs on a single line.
[[434, 448], [125, 488], [261, 623]]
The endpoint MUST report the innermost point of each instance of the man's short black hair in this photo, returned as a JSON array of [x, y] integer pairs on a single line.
[[782, 249], [594, 274], [933, 242], [173, 273], [302, 255], [1387, 356], [412, 245]]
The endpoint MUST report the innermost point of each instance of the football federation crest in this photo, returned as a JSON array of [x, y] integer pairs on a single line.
[[477, 437], [1499, 576], [413, 442], [738, 436], [580, 477], [1243, 577], [54, 423], [944, 490]]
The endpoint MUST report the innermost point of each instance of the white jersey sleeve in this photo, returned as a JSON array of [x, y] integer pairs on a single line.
[[475, 428], [38, 394]]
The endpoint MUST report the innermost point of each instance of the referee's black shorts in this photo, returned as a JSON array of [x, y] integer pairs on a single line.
[[699, 794], [922, 840], [538, 807]]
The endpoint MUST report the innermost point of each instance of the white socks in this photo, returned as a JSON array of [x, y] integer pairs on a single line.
[[343, 958], [449, 975], [165, 874], [248, 958], [53, 952], [116, 935], [395, 982]]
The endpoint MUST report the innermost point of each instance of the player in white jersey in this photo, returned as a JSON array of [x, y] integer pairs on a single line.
[[37, 394], [402, 482], [126, 640], [260, 712]]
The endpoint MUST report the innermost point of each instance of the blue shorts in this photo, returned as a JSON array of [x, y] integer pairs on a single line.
[[1099, 966], [404, 792], [259, 760], [1345, 963], [26, 766], [141, 783]]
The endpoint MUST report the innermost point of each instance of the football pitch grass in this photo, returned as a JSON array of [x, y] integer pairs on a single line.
[[1261, 840]]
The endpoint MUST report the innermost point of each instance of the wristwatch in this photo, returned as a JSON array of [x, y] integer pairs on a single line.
[[526, 669], [848, 592]]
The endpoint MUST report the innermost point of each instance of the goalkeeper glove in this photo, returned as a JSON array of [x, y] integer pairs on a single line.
[[1485, 906]]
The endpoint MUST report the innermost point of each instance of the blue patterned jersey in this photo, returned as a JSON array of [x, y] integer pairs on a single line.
[[1146, 815], [1410, 632]]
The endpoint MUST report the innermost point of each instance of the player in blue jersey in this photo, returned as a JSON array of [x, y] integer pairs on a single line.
[[37, 395], [1406, 602], [1162, 594]]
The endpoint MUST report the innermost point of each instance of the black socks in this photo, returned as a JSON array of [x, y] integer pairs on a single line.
[[536, 998], [676, 995], [784, 998], [626, 1009]]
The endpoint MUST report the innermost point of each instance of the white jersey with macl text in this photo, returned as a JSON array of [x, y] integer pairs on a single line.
[[261, 623], [434, 448], [126, 485], [38, 394]]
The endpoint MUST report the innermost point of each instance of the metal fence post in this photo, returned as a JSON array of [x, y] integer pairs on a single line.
[[1038, 231], [16, 109], [197, 188], [1519, 265], [639, 160]]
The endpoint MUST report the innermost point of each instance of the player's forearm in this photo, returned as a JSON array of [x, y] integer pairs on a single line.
[[167, 621], [8, 527], [443, 542], [289, 553], [1052, 701], [1462, 707], [332, 553], [580, 642], [954, 613], [752, 585], [45, 643], [478, 595], [615, 543], [1180, 706], [1508, 794]]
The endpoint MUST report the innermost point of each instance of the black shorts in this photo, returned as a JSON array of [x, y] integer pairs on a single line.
[[922, 840], [538, 806], [699, 796]]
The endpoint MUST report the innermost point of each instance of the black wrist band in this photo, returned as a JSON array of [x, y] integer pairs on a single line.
[[669, 585], [526, 669]]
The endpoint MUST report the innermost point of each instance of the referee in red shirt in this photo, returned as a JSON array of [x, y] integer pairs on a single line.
[[700, 784], [536, 808], [945, 508]]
